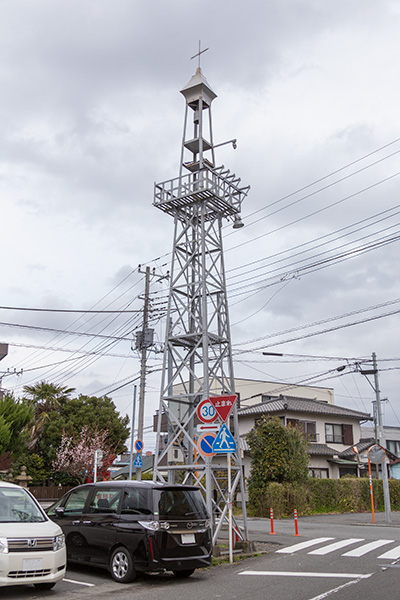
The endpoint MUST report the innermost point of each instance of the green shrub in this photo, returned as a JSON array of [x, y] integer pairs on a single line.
[[321, 496]]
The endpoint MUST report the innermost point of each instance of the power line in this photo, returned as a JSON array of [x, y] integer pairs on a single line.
[[64, 310], [316, 212], [346, 232], [302, 337], [320, 189], [302, 189], [319, 180], [311, 267], [56, 349], [323, 321], [36, 355], [66, 332]]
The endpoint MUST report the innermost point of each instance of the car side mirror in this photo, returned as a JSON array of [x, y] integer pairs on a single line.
[[59, 511]]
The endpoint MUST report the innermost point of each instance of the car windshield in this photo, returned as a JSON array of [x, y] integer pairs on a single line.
[[181, 503], [17, 506]]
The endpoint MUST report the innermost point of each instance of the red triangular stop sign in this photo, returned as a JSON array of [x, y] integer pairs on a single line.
[[223, 405]]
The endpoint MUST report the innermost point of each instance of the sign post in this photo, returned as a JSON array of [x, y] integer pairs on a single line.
[[228, 458], [377, 455], [138, 464], [138, 445], [224, 443], [206, 412], [132, 433], [224, 405], [98, 457], [205, 443], [371, 489]]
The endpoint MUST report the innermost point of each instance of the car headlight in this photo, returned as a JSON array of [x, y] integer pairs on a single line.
[[152, 525], [58, 542], [3, 545]]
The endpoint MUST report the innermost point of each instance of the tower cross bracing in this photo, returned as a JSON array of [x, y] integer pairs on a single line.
[[197, 359]]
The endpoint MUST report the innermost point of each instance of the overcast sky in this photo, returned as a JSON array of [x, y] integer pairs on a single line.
[[91, 116]]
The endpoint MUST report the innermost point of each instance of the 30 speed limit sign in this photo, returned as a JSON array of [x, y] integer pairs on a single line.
[[206, 412]]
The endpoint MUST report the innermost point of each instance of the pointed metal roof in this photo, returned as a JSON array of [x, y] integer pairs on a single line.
[[198, 87]]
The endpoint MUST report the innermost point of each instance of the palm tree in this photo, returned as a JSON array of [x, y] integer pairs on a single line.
[[45, 397]]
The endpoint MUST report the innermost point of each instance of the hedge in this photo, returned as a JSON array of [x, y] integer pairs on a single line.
[[321, 496]]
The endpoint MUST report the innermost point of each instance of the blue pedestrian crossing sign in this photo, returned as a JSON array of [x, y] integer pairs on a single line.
[[224, 442], [138, 461]]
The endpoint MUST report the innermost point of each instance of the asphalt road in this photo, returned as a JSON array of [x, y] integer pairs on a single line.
[[338, 556]]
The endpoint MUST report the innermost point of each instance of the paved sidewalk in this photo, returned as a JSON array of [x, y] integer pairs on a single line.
[[358, 518], [342, 518]]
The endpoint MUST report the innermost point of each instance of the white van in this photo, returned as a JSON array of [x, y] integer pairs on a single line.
[[32, 548]]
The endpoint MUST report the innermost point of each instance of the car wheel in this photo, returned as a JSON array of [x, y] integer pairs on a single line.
[[121, 566], [44, 586], [183, 574]]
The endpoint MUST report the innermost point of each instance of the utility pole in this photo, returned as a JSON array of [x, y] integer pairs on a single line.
[[143, 360], [144, 341], [380, 435], [3, 353], [381, 441]]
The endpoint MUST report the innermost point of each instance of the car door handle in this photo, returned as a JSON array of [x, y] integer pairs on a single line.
[[75, 522], [86, 522]]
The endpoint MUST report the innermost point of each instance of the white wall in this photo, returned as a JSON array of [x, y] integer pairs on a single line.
[[250, 390]]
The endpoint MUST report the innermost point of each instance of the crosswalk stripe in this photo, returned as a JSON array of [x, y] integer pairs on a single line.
[[307, 574], [303, 545], [365, 548], [335, 546], [391, 554]]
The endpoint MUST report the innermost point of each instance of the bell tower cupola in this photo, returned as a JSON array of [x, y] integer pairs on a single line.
[[197, 143]]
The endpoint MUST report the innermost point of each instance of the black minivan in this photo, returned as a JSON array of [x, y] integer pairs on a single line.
[[135, 526]]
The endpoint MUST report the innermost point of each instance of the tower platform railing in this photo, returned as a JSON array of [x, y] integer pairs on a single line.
[[217, 188]]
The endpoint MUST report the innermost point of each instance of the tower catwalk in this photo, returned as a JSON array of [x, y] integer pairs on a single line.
[[198, 354]]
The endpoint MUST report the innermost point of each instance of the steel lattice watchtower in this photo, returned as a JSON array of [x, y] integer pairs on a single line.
[[198, 355]]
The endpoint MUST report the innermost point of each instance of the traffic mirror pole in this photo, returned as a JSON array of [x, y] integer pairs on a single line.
[[371, 489]]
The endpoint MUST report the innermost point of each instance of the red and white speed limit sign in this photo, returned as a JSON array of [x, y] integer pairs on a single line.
[[206, 412]]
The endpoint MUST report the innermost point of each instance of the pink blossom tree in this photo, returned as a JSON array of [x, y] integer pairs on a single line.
[[75, 455]]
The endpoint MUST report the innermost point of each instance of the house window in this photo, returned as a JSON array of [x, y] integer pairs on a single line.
[[307, 427], [265, 398], [338, 434], [310, 430], [393, 446], [319, 473]]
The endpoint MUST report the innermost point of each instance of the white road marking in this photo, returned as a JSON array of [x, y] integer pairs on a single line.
[[307, 574], [367, 548], [329, 592], [79, 582], [391, 554], [303, 545], [335, 546]]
